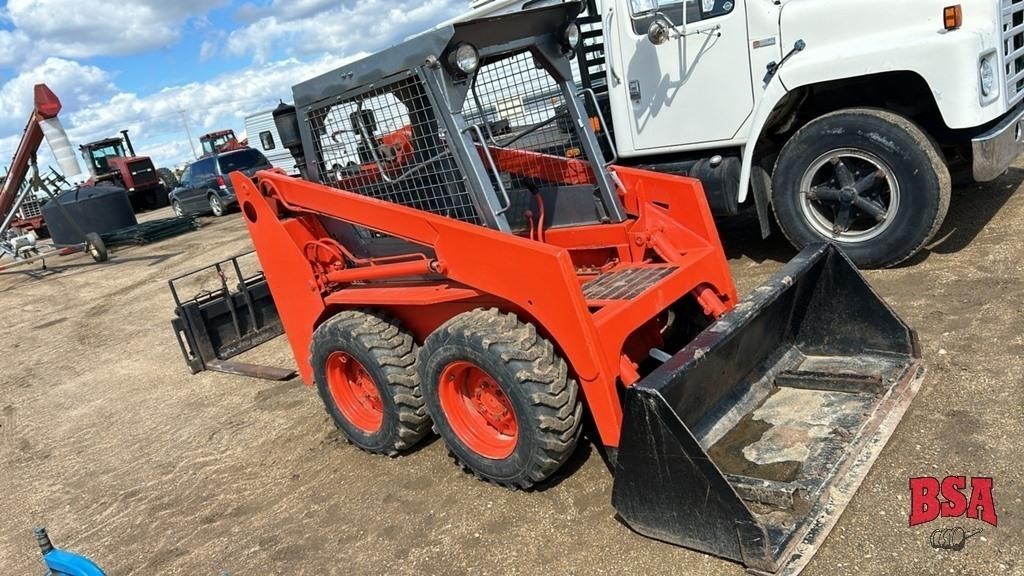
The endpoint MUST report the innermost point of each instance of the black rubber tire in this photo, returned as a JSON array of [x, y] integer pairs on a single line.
[[916, 163], [214, 198], [389, 355], [170, 181], [533, 377], [95, 247]]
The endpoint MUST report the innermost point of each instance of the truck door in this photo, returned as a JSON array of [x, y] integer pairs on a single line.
[[687, 90]]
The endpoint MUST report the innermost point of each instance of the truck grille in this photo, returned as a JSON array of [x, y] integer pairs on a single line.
[[143, 173], [1013, 49]]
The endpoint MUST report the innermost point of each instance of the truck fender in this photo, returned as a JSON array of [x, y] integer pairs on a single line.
[[773, 94]]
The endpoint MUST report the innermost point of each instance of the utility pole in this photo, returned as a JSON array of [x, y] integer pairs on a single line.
[[184, 120]]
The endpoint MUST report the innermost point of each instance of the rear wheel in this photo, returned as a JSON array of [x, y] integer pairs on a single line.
[[868, 180], [176, 206], [167, 177], [500, 398], [216, 205], [364, 366]]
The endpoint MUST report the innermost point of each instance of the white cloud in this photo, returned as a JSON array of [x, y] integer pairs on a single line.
[[76, 85], [314, 26], [155, 121], [86, 28]]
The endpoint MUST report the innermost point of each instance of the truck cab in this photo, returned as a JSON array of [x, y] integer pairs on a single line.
[[845, 121]]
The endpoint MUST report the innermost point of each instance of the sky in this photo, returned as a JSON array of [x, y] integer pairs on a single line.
[[136, 64]]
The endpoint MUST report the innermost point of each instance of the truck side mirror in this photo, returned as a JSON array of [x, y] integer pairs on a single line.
[[659, 32]]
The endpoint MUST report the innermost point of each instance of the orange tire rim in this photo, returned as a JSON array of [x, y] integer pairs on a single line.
[[478, 410], [354, 392]]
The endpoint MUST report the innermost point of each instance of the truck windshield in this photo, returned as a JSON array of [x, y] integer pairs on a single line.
[[242, 160]]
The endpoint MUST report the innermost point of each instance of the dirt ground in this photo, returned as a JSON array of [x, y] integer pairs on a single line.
[[110, 443]]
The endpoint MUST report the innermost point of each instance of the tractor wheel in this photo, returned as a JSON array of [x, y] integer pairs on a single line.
[[168, 178], [500, 397], [364, 366]]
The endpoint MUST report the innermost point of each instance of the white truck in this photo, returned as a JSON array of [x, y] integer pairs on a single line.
[[847, 119]]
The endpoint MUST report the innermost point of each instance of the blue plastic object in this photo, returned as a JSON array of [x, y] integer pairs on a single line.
[[61, 563]]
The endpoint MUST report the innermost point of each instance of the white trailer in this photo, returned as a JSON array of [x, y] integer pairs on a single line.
[[842, 120], [263, 136]]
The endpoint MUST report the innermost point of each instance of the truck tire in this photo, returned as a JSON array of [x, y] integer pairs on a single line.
[[500, 397], [364, 366], [867, 180]]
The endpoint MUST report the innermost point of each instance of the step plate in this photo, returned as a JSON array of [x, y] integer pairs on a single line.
[[625, 283]]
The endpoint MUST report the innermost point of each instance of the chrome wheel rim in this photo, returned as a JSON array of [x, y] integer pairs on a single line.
[[849, 196], [215, 206]]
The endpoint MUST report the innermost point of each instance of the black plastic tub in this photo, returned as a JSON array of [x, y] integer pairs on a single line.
[[98, 209]]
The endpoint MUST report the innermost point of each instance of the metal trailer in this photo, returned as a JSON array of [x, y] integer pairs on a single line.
[[437, 271], [263, 136]]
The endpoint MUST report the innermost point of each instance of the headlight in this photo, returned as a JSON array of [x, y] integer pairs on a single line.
[[987, 75], [572, 35], [465, 59]]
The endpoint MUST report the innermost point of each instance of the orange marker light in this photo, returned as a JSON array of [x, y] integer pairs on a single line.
[[953, 17]]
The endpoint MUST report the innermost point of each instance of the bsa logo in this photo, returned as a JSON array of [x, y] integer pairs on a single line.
[[930, 499]]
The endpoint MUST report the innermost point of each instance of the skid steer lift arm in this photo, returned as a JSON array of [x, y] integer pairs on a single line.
[[740, 428]]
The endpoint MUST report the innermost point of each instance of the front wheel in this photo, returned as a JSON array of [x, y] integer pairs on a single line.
[[868, 180]]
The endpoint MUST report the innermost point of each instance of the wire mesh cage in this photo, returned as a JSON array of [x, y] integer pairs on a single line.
[[387, 143], [526, 120], [410, 138]]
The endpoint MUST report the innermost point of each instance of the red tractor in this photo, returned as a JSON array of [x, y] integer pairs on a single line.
[[222, 141], [147, 186]]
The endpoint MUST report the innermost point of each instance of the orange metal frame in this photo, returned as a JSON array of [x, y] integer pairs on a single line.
[[670, 225]]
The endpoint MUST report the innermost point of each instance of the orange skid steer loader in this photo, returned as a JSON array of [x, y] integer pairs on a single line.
[[459, 255]]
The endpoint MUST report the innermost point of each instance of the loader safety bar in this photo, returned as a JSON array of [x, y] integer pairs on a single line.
[[234, 317], [749, 443]]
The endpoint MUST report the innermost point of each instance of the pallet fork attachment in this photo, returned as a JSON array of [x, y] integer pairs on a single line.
[[214, 326], [750, 442]]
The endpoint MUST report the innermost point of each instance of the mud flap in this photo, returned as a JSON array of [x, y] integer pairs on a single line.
[[750, 442]]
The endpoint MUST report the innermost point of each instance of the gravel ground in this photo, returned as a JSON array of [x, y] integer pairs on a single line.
[[110, 443]]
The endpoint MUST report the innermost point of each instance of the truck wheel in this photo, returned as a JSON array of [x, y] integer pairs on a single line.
[[95, 247], [868, 180], [364, 366], [500, 398], [176, 206]]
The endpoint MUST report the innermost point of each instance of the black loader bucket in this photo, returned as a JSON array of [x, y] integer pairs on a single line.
[[750, 442]]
